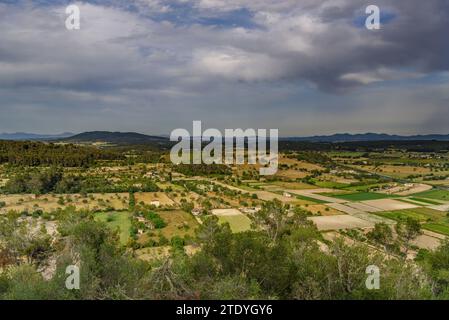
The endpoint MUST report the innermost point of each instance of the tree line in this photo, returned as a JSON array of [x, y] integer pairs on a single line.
[[27, 153], [54, 180]]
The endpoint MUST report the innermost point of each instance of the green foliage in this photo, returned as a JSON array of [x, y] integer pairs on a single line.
[[437, 265], [202, 169], [283, 258], [314, 157], [132, 201], [37, 183], [155, 219], [187, 206], [177, 242], [41, 181], [26, 153]]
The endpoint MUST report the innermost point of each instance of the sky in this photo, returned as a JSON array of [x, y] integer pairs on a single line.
[[305, 67]]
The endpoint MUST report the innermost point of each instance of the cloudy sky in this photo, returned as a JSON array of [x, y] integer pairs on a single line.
[[303, 66]]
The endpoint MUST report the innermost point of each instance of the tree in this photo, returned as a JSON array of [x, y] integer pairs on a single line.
[[407, 231], [382, 235], [275, 219], [132, 201], [436, 264]]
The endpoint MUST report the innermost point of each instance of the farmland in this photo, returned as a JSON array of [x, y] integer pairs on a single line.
[[434, 194], [117, 220], [359, 196], [432, 220], [237, 221], [161, 212], [179, 223]]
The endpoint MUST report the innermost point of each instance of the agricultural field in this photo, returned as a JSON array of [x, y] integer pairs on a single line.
[[322, 210], [442, 195], [158, 209], [443, 182], [424, 200], [309, 200], [340, 222], [328, 184], [420, 214], [293, 185], [178, 224], [120, 221], [291, 174], [158, 198], [432, 220], [52, 202], [359, 196], [299, 164], [398, 171], [237, 220]]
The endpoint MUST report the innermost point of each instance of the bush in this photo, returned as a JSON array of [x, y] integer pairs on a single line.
[[177, 242], [163, 240], [37, 213], [156, 219]]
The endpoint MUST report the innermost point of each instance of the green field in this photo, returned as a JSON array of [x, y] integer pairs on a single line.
[[432, 220], [420, 214], [345, 154], [364, 187], [413, 201], [329, 184], [434, 194], [117, 220], [238, 223], [424, 200], [249, 187], [360, 196], [437, 227], [313, 200]]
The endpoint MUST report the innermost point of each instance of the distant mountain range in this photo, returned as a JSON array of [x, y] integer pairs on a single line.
[[347, 137], [33, 136], [138, 138]]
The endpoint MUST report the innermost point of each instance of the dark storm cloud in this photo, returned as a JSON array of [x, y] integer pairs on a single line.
[[138, 59]]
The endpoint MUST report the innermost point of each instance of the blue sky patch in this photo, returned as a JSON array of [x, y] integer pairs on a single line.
[[385, 18]]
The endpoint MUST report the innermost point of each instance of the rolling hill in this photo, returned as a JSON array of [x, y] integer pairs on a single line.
[[115, 138]]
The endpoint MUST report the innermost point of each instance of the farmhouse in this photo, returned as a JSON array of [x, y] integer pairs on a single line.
[[250, 210], [155, 203]]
